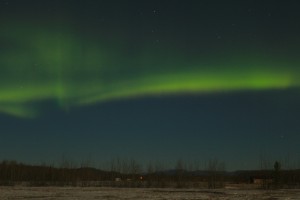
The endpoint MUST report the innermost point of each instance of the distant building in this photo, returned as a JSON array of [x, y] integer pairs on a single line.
[[261, 181]]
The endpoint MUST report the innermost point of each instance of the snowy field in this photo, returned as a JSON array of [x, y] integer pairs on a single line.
[[89, 193]]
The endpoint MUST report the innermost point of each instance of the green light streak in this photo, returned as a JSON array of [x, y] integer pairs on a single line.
[[190, 83], [40, 65], [18, 110]]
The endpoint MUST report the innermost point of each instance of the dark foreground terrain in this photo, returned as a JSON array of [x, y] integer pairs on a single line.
[[70, 193]]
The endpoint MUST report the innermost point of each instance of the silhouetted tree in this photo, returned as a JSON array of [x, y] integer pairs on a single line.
[[180, 169], [277, 168], [216, 171], [150, 172]]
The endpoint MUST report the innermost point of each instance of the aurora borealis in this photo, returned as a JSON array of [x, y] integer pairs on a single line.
[[75, 56], [56, 64]]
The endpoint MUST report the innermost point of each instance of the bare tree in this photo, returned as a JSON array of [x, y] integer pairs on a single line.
[[277, 168], [216, 171], [180, 170], [159, 175], [150, 173]]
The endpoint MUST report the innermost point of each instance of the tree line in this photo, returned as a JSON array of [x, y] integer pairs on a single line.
[[129, 173]]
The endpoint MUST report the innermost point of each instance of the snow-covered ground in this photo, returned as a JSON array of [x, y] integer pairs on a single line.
[[89, 193]]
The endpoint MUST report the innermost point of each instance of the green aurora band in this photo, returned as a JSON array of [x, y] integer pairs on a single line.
[[42, 63]]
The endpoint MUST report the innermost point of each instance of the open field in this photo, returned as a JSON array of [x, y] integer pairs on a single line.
[[88, 193]]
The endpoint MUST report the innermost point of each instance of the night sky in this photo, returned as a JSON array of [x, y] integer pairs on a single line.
[[150, 80]]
